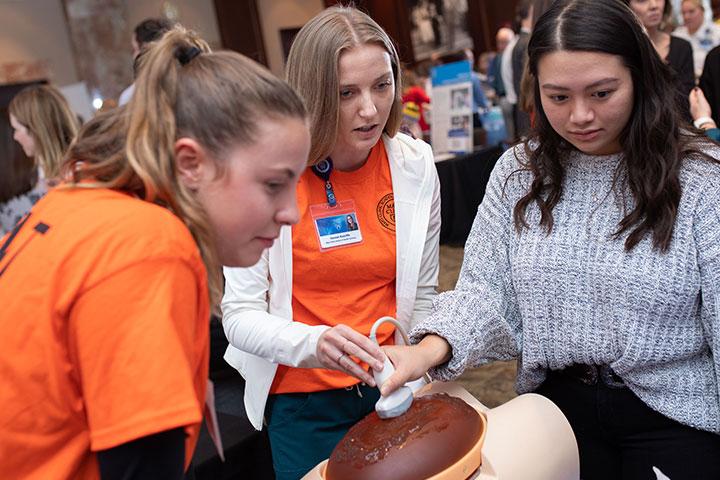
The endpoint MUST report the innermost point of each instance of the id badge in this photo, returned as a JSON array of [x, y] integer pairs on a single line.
[[336, 226]]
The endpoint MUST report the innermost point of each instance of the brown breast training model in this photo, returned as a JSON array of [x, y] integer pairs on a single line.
[[437, 431]]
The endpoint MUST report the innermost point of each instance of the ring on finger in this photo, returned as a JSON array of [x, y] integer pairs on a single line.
[[343, 354]]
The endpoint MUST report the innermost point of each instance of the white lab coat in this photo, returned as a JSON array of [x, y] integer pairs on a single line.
[[257, 305]]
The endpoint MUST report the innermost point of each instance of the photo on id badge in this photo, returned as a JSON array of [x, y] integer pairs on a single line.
[[337, 229]]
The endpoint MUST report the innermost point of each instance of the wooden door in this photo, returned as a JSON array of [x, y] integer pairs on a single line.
[[240, 30]]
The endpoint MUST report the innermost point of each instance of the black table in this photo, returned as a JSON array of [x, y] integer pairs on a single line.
[[462, 187], [247, 451]]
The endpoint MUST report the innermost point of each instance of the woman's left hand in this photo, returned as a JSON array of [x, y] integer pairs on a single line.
[[338, 346]]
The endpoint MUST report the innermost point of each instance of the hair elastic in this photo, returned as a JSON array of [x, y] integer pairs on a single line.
[[184, 55]]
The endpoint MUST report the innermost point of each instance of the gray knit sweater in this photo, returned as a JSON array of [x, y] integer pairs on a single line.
[[576, 296]]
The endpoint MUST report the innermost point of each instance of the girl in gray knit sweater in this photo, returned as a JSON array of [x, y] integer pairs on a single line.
[[595, 257]]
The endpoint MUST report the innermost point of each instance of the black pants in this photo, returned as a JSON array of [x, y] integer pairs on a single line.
[[619, 437]]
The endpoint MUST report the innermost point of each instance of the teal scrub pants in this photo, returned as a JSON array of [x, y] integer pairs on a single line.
[[305, 427]]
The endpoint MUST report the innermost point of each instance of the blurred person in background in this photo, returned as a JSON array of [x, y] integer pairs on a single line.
[[703, 35], [480, 102], [145, 32], [503, 39], [675, 51], [701, 113], [19, 185], [44, 126], [526, 94], [710, 82], [524, 18]]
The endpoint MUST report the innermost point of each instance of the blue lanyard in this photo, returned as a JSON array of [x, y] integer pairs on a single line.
[[323, 170]]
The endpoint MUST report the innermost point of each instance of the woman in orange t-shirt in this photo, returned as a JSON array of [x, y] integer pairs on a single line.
[[298, 321], [107, 283]]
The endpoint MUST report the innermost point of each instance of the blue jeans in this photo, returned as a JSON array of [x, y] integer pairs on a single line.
[[305, 427]]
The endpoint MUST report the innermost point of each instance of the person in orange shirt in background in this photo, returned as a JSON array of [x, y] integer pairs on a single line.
[[106, 285], [298, 321]]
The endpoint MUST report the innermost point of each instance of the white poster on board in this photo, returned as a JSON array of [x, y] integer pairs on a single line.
[[452, 107]]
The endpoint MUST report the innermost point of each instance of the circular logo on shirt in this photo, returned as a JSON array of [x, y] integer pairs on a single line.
[[386, 212]]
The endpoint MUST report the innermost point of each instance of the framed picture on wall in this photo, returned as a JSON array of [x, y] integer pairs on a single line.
[[438, 27]]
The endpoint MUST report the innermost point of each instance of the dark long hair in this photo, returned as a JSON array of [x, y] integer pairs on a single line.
[[654, 141]]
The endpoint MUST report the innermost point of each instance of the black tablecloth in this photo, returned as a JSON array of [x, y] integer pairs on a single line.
[[247, 451], [462, 188]]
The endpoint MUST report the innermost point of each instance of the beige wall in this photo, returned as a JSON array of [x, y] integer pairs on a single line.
[[36, 30], [278, 14], [198, 15]]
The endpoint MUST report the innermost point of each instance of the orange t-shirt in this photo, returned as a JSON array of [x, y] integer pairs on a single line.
[[352, 285], [103, 332]]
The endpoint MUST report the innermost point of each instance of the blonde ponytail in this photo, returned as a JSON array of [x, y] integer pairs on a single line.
[[182, 90], [152, 131]]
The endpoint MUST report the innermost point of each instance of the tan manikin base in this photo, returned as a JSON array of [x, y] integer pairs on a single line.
[[526, 438]]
